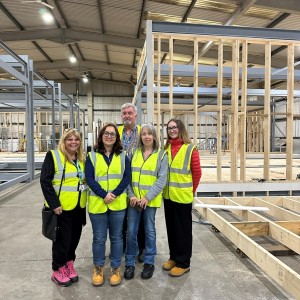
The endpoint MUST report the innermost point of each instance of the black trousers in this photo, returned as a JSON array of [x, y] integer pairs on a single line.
[[140, 236], [68, 235], [178, 218]]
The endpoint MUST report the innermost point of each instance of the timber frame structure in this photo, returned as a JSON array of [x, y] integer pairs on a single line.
[[249, 111], [280, 223]]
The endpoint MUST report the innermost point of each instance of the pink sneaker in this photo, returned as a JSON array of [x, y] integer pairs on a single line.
[[61, 277], [71, 271]]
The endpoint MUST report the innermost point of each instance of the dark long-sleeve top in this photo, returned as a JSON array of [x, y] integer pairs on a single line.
[[47, 175], [96, 187]]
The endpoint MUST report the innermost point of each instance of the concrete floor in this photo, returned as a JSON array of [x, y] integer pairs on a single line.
[[217, 271]]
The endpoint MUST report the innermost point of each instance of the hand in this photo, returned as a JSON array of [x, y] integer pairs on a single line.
[[58, 210], [133, 201], [143, 203], [110, 197]]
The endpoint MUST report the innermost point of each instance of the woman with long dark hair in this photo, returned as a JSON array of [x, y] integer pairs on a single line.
[[107, 175]]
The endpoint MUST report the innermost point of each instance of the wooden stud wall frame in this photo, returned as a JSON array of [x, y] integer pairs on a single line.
[[246, 103], [281, 223]]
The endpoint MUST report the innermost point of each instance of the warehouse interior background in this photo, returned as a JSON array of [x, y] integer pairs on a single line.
[[229, 69]]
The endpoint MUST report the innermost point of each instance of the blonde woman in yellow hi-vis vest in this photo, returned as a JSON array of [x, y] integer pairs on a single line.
[[149, 166], [63, 170], [184, 174], [107, 175]]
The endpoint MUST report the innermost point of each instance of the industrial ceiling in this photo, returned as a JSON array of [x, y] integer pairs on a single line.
[[106, 36]]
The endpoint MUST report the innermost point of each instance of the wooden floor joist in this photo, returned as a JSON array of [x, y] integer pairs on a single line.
[[220, 206], [281, 223]]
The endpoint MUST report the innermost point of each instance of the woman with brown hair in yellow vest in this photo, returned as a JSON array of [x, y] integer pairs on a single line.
[[107, 175], [183, 178]]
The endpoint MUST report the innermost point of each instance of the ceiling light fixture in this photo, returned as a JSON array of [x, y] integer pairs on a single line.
[[73, 59], [85, 78], [47, 17]]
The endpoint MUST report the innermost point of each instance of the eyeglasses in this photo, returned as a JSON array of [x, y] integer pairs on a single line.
[[172, 128], [111, 134]]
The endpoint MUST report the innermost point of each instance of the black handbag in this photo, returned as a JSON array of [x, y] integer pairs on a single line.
[[49, 218], [49, 223]]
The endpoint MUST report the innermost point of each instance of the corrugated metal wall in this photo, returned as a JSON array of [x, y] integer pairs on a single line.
[[108, 98]]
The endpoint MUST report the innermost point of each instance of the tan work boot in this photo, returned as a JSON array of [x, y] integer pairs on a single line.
[[169, 265], [115, 276], [98, 276], [176, 271]]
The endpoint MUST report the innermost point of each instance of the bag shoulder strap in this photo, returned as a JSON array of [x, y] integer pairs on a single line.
[[62, 178]]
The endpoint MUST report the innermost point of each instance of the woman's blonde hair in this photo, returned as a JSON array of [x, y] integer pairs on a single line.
[[182, 132], [151, 129], [62, 145]]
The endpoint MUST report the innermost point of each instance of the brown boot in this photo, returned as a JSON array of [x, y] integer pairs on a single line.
[[168, 265], [176, 271], [98, 276], [115, 276]]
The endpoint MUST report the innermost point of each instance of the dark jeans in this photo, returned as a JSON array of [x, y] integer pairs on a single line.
[[141, 233], [178, 218], [68, 235]]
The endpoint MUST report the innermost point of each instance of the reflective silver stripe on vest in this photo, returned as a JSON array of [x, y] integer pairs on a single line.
[[93, 157], [108, 176], [181, 185], [59, 162], [71, 175], [184, 169], [142, 186], [59, 165], [93, 154], [179, 171], [135, 169], [66, 188], [147, 172], [100, 178], [92, 193], [122, 163], [187, 155], [115, 176]]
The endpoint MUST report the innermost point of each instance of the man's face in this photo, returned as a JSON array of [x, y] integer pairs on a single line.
[[128, 116]]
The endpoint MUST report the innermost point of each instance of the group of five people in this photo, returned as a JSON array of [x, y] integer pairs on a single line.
[[123, 185]]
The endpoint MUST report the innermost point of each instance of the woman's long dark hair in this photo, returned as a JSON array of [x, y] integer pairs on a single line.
[[117, 147]]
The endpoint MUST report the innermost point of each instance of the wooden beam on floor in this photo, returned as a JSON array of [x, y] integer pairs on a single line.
[[276, 269], [252, 228]]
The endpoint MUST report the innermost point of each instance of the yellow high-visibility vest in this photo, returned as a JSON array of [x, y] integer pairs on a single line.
[[121, 127], [109, 177], [179, 186], [69, 190], [144, 174]]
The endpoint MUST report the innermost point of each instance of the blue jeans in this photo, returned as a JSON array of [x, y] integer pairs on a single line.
[[112, 221], [133, 220]]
